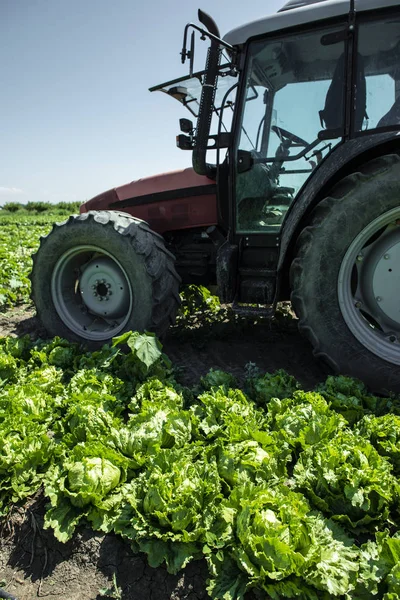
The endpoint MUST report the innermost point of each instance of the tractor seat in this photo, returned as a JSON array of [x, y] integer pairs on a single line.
[[392, 117], [332, 115]]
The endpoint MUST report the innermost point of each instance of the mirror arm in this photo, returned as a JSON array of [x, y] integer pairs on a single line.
[[187, 54]]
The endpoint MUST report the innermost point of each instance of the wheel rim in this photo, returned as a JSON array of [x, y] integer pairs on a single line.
[[369, 287], [91, 293]]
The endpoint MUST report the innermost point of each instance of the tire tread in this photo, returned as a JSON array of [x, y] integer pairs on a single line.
[[159, 262], [299, 273]]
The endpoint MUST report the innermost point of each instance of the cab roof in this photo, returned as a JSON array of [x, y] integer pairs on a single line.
[[301, 12]]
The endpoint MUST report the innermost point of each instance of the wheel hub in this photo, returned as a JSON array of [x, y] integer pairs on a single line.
[[369, 287], [386, 283], [103, 288], [91, 292]]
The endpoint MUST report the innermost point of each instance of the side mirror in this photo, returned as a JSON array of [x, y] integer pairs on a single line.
[[184, 142], [186, 125]]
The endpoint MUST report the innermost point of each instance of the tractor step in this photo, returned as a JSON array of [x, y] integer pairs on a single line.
[[257, 285], [249, 310], [257, 272]]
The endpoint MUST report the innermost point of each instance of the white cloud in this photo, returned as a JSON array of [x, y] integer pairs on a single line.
[[13, 191]]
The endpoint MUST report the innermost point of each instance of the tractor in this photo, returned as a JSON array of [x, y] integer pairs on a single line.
[[294, 194]]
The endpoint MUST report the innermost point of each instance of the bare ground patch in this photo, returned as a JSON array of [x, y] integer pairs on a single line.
[[33, 564]]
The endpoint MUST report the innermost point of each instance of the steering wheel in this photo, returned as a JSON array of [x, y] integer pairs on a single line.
[[291, 137]]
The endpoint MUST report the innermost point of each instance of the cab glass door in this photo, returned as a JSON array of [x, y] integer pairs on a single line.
[[292, 116]]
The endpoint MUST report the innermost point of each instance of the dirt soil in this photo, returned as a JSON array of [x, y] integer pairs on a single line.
[[33, 564]]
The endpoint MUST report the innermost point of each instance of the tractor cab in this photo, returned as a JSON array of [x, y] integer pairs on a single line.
[[293, 87], [282, 99]]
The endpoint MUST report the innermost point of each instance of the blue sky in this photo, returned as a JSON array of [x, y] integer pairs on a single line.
[[76, 117]]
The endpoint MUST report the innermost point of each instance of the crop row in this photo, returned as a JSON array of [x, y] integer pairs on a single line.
[[17, 243], [19, 238], [290, 492]]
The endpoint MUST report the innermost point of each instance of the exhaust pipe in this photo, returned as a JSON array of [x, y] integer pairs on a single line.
[[206, 101]]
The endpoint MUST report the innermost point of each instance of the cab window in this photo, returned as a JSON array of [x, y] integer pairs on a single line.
[[379, 60], [294, 91]]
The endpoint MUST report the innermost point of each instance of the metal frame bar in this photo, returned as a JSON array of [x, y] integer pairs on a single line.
[[204, 34]]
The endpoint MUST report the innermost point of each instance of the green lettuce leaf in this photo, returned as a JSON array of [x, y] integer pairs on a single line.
[[92, 477], [346, 478], [239, 462], [304, 419], [350, 398], [8, 366], [227, 414], [84, 479], [26, 451], [379, 568], [175, 555], [271, 385], [217, 378], [227, 581], [384, 434], [63, 518], [284, 548], [174, 501]]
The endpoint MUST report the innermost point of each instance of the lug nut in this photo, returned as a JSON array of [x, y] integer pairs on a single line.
[[358, 304], [360, 258], [108, 285], [378, 299], [97, 282], [95, 294], [93, 287]]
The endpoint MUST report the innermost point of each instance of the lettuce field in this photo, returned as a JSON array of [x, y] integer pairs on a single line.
[[126, 475], [19, 238]]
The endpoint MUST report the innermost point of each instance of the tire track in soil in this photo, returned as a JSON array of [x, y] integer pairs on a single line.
[[270, 349]]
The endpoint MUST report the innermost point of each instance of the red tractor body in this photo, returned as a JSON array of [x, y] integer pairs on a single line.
[[167, 202]]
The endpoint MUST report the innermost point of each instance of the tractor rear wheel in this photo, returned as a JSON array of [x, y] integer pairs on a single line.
[[101, 273], [345, 278]]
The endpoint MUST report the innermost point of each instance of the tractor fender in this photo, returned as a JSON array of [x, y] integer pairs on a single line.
[[341, 162]]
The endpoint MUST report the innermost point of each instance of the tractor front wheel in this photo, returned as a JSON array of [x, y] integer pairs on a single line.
[[100, 274], [345, 278]]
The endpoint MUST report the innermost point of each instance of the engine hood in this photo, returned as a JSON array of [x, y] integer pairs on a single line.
[[169, 201]]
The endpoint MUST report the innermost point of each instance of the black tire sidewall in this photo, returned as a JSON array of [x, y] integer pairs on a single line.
[[118, 246], [335, 223]]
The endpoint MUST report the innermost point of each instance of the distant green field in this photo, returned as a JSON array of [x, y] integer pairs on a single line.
[[20, 234], [40, 207]]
